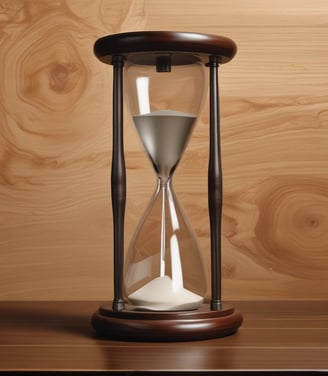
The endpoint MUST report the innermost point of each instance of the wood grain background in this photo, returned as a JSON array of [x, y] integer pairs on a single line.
[[55, 137]]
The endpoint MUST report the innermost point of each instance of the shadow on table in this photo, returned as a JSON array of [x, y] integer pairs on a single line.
[[48, 317]]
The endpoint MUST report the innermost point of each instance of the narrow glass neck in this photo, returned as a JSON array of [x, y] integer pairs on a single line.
[[163, 182]]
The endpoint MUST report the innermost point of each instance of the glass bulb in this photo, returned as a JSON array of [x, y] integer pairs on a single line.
[[164, 270]]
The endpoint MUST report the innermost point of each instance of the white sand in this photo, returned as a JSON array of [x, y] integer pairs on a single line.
[[161, 294]]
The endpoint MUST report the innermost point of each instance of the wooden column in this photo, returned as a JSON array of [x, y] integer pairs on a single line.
[[118, 181], [215, 185]]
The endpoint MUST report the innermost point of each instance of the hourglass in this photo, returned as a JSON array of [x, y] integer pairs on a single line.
[[160, 290]]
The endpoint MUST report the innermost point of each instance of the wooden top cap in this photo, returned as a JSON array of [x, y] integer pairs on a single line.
[[150, 43]]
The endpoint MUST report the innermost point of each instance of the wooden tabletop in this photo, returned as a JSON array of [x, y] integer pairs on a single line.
[[57, 336]]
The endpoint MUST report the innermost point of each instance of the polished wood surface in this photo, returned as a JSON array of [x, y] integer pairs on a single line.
[[57, 336], [55, 146]]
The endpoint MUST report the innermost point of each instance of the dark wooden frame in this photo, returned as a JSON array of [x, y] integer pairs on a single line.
[[118, 322]]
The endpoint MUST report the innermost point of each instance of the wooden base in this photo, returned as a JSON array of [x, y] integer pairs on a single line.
[[152, 326]]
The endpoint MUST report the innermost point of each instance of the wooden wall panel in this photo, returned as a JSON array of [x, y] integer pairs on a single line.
[[55, 214]]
